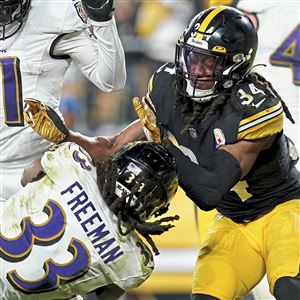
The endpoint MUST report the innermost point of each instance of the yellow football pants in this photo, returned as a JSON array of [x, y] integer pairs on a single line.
[[234, 257]]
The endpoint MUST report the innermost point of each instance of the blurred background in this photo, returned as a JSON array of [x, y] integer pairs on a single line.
[[149, 30]]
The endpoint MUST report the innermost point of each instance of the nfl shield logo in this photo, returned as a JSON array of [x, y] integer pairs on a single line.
[[193, 133]]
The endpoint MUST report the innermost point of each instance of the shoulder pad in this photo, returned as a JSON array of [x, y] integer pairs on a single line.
[[163, 73]]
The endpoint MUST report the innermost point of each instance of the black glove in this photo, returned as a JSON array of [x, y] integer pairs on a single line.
[[98, 10]]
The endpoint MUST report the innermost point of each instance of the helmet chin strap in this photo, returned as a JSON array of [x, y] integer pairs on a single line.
[[200, 96]]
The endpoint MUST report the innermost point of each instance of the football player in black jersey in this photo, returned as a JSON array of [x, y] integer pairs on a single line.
[[227, 126]]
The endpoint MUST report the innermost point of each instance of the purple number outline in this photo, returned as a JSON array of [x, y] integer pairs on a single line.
[[48, 233], [81, 160], [55, 273], [12, 91], [278, 58]]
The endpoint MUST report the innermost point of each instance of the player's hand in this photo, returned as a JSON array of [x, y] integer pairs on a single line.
[[145, 112], [45, 121], [98, 10]]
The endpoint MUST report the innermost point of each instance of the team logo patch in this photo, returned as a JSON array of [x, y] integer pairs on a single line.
[[219, 137], [81, 12], [193, 133]]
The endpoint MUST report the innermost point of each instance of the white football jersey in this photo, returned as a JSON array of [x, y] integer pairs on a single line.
[[33, 63], [59, 238], [279, 49]]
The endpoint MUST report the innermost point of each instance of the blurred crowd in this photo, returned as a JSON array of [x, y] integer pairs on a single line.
[[149, 30]]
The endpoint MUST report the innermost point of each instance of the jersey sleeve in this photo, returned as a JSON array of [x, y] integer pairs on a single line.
[[152, 85], [160, 91], [65, 161], [267, 121], [99, 55], [159, 79]]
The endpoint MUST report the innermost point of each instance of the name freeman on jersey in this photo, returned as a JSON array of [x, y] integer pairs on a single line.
[[92, 224]]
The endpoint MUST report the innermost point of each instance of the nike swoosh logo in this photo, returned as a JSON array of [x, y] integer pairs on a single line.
[[259, 103]]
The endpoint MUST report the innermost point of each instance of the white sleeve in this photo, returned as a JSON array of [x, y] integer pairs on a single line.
[[65, 162], [99, 56], [57, 162]]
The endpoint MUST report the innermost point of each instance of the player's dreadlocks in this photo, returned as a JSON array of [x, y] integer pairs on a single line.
[[107, 175], [193, 112]]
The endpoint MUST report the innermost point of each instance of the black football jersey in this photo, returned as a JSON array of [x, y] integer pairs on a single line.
[[272, 180]]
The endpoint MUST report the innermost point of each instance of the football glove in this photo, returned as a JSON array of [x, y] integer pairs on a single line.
[[145, 112], [45, 121], [98, 10]]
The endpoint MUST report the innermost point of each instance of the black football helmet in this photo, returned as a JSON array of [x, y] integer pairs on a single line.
[[153, 168], [222, 39], [12, 13]]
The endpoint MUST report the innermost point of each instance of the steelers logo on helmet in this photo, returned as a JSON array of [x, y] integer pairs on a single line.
[[12, 13], [147, 176], [216, 50]]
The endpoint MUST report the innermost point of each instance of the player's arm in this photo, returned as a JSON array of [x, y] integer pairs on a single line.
[[99, 148], [32, 172], [206, 186], [45, 121], [246, 152], [99, 55]]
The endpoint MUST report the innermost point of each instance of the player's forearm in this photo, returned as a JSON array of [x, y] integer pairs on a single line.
[[99, 148], [206, 186], [111, 58]]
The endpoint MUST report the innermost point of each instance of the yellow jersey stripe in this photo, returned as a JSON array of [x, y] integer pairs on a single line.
[[269, 125], [261, 114], [207, 21], [267, 114]]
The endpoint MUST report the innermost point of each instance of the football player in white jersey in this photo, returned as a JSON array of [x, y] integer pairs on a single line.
[[38, 41], [73, 228]]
